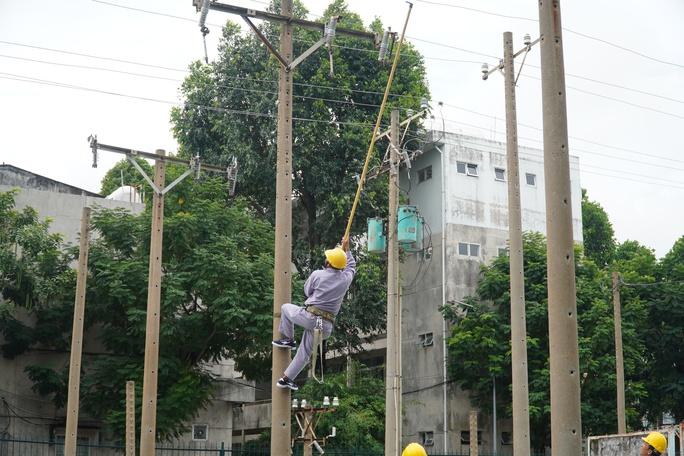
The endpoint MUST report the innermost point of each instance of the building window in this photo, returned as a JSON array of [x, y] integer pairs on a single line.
[[531, 179], [427, 438], [467, 249], [503, 251], [506, 438], [200, 432], [460, 167], [424, 174], [426, 340], [469, 169], [499, 174], [465, 437]]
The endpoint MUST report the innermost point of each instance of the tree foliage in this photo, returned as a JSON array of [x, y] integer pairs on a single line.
[[665, 337], [216, 295], [124, 173], [479, 348], [231, 108], [360, 418], [597, 232]]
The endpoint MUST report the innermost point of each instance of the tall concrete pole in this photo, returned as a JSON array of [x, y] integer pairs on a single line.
[[282, 280], [473, 433], [619, 364], [77, 339], [392, 407], [148, 420], [130, 418], [566, 422], [521, 414]]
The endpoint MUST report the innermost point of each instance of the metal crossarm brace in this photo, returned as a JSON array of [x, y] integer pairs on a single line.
[[129, 157], [500, 66], [403, 123], [306, 53], [268, 44]]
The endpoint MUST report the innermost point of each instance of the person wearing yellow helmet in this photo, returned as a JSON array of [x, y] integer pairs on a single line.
[[655, 444], [324, 290], [414, 449]]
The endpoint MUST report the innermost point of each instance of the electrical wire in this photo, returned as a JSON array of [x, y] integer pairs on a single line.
[[457, 48], [575, 32], [21, 78], [347, 123], [649, 284], [578, 138], [131, 62], [667, 167], [618, 100]]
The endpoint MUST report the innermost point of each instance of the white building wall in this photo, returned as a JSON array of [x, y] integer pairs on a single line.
[[472, 210]]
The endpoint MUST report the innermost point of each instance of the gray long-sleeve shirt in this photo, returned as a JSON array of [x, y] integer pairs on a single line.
[[326, 288]]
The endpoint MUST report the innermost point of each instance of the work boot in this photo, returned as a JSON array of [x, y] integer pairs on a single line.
[[284, 382], [285, 343]]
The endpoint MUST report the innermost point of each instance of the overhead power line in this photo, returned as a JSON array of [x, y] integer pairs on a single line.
[[470, 51], [21, 78], [574, 32], [578, 138]]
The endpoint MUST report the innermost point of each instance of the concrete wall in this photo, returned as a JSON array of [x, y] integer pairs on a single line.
[[64, 209], [627, 444]]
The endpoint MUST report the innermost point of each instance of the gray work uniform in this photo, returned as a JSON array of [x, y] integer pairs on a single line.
[[325, 290]]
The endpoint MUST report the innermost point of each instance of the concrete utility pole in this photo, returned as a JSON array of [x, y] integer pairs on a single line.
[[521, 415], [282, 281], [473, 433], [392, 363], [148, 421], [149, 402], [77, 339], [619, 364], [130, 418], [566, 424]]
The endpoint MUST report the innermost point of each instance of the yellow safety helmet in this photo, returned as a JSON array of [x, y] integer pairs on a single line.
[[657, 441], [336, 257], [414, 449]]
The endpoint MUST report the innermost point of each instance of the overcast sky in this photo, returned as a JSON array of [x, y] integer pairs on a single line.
[[629, 142]]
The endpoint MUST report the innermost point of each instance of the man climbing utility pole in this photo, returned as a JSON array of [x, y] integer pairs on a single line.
[[282, 280], [566, 425]]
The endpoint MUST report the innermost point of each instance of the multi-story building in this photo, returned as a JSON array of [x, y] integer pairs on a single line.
[[459, 185]]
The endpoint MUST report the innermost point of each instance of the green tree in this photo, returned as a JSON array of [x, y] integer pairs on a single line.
[[597, 231], [124, 173], [230, 109], [479, 348], [665, 338], [360, 418], [216, 295], [34, 276]]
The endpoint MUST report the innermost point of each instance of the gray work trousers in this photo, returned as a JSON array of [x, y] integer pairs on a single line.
[[291, 315]]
